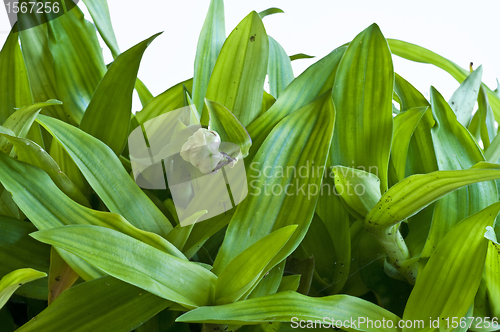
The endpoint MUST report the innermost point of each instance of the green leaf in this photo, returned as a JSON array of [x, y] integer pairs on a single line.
[[409, 96], [464, 98], [244, 270], [228, 127], [419, 54], [48, 207], [12, 281], [455, 150], [299, 56], [114, 94], [212, 36], [270, 11], [167, 101], [335, 217], [122, 307], [363, 100], [492, 153], [405, 125], [146, 267], [270, 282], [18, 250], [284, 306], [41, 73], [491, 272], [289, 283], [485, 120], [360, 190], [279, 68], [434, 296], [78, 61], [414, 193], [108, 178], [238, 76], [421, 154], [29, 152], [317, 247], [14, 84], [21, 120], [314, 81], [283, 149], [99, 11]]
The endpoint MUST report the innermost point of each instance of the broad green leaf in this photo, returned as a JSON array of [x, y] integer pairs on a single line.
[[317, 244], [363, 99], [41, 69], [201, 232], [108, 178], [299, 56], [414, 193], [483, 120], [335, 217], [419, 54], [409, 97], [21, 120], [270, 11], [267, 102], [404, 126], [48, 207], [445, 288], [67, 165], [167, 101], [14, 84], [455, 150], [212, 36], [29, 152], [285, 148], [78, 61], [121, 308], [421, 154], [284, 306], [114, 95], [18, 250], [359, 190], [162, 274], [61, 276], [243, 271], [238, 76], [419, 226], [289, 283], [491, 273], [99, 11], [180, 234], [12, 281], [228, 127], [279, 68], [464, 98], [270, 282], [492, 153], [314, 81]]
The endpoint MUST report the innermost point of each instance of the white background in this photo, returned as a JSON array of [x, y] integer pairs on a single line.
[[462, 31]]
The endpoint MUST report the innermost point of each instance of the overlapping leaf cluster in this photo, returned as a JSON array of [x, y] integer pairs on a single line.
[[391, 227]]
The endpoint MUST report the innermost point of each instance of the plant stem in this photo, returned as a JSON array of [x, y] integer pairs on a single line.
[[398, 254]]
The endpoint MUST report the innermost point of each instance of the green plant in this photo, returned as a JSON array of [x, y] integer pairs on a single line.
[[408, 234]]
